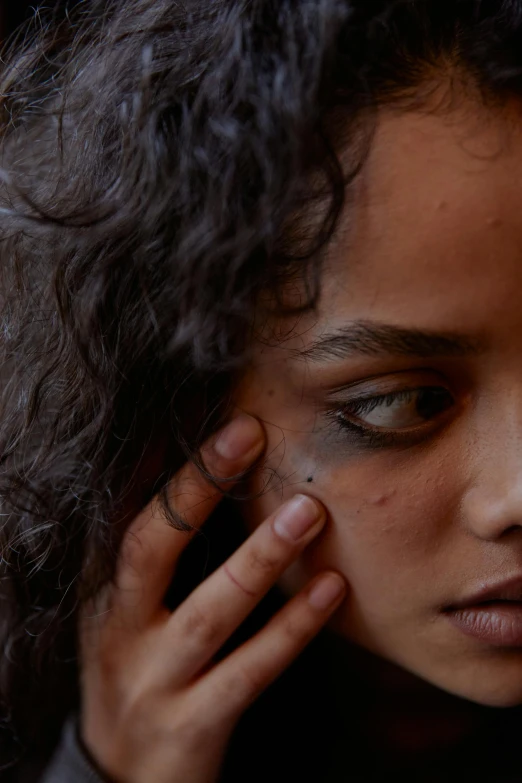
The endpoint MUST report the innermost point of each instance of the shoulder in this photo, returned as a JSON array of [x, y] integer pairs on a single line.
[[71, 762]]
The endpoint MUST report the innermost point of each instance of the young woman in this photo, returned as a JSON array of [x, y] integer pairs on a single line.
[[261, 422]]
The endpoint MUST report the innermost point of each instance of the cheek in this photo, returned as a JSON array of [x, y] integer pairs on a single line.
[[394, 545], [288, 468], [389, 525], [376, 508], [383, 539]]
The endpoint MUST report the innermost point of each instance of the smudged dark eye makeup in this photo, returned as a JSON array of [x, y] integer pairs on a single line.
[[398, 418]]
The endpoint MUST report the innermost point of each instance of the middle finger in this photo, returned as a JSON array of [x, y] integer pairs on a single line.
[[208, 617]]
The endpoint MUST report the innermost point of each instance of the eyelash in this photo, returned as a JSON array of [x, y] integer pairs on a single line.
[[371, 437]]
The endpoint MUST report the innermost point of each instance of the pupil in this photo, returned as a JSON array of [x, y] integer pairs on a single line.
[[431, 402]]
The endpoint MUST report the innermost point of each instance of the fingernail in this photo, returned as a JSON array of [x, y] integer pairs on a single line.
[[297, 517], [239, 437], [327, 591]]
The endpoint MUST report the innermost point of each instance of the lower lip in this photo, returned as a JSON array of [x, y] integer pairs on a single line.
[[499, 624]]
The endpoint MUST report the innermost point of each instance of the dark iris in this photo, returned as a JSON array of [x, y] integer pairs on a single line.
[[431, 402]]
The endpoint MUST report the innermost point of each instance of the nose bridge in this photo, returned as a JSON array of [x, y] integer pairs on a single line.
[[493, 502]]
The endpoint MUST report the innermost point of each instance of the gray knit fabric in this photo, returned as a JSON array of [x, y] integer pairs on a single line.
[[69, 763]]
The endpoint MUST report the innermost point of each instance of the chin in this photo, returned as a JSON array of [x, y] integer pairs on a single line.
[[496, 682], [499, 694], [485, 675]]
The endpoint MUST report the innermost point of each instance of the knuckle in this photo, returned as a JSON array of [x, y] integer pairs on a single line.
[[191, 485], [199, 625], [132, 550], [191, 736], [262, 562], [141, 712], [198, 729], [110, 663], [135, 553], [237, 690], [294, 630], [248, 682], [191, 722], [240, 685]]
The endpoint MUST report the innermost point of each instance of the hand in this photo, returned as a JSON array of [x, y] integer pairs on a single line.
[[155, 707]]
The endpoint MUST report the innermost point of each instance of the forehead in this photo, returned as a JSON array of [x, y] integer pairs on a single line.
[[433, 230]]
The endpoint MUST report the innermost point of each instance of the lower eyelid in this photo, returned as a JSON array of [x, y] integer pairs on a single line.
[[382, 439]]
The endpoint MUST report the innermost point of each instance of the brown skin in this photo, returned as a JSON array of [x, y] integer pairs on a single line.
[[434, 244], [146, 714]]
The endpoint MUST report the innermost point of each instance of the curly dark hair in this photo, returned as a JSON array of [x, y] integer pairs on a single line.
[[163, 165]]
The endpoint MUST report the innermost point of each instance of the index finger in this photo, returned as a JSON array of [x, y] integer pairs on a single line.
[[151, 545]]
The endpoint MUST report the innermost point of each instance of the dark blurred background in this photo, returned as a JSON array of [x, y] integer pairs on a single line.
[[13, 12]]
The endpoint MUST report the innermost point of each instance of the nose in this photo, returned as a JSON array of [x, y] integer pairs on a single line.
[[492, 505]]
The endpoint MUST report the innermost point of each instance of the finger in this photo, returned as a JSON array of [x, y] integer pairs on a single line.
[[233, 684], [207, 618], [151, 546]]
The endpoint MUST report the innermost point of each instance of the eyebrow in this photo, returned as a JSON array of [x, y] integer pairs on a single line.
[[370, 338]]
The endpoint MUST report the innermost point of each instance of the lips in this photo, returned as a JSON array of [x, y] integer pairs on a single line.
[[492, 615], [508, 590]]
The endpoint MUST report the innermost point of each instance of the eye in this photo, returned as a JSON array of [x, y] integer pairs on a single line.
[[393, 419], [400, 410]]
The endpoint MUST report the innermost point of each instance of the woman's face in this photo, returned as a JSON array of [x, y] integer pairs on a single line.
[[422, 307]]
